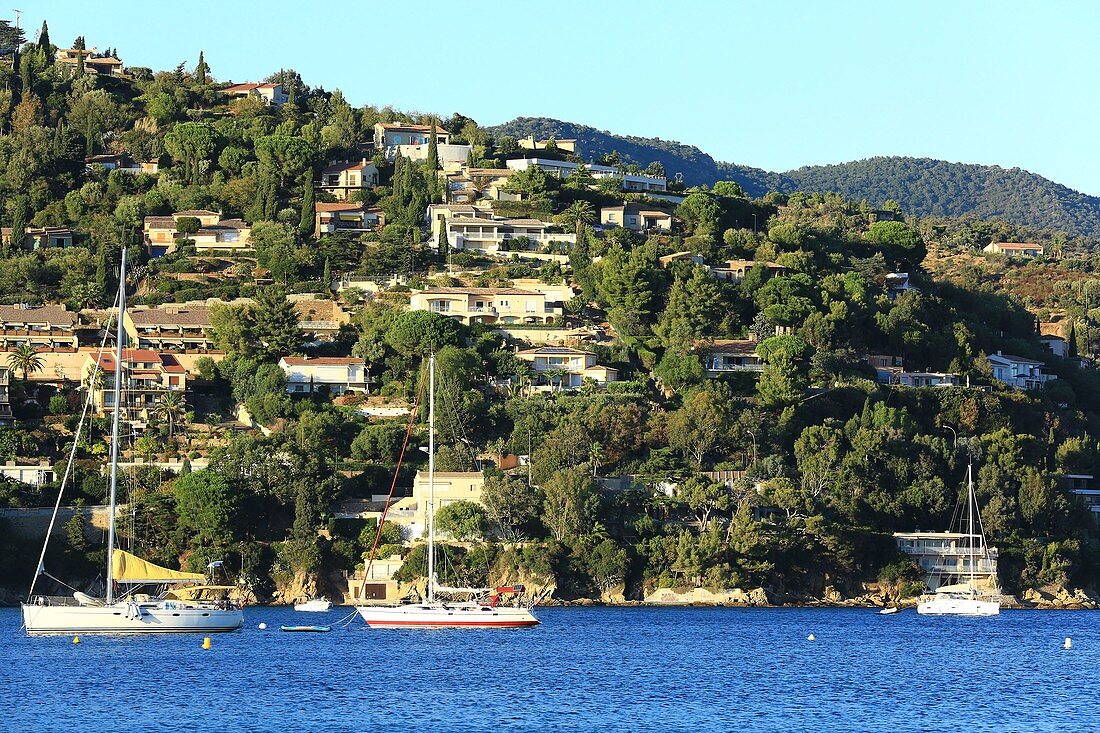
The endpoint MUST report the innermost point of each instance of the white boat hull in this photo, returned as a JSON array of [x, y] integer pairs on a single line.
[[444, 616], [128, 618], [314, 606], [959, 607]]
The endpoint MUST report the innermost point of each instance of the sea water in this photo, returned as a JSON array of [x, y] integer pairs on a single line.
[[583, 669]]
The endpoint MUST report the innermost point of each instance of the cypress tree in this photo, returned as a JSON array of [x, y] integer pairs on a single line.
[[44, 37], [305, 226], [89, 137], [101, 270], [79, 66], [433, 151], [327, 277], [1071, 341], [201, 70], [19, 223]]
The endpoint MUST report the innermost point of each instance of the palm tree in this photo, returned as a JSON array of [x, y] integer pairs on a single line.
[[25, 359], [558, 375], [579, 213], [523, 375], [171, 410]]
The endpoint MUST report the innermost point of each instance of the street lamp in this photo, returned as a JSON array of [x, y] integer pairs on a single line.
[[753, 435], [945, 426], [754, 225]]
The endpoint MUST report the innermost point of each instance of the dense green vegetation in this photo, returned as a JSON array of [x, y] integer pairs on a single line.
[[831, 461]]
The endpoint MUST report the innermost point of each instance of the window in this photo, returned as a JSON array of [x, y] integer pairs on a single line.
[[503, 304]]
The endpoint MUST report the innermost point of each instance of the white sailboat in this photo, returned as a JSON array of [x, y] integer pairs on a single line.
[[966, 596], [483, 611], [191, 605]]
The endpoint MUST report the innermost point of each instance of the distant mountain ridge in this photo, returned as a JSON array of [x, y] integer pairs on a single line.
[[922, 186]]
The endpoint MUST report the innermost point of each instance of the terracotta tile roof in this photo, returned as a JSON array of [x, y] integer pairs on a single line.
[[743, 347], [554, 351], [340, 206], [192, 315], [41, 314], [197, 213], [338, 167], [160, 222]]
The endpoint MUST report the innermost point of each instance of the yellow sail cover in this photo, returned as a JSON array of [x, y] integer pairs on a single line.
[[129, 568]]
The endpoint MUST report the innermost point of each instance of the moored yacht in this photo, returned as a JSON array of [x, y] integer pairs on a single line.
[[483, 609], [186, 602]]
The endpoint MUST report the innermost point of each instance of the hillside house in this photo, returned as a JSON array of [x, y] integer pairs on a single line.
[[567, 145], [493, 236], [636, 218], [1015, 249], [891, 369], [147, 376], [563, 367], [486, 305], [340, 374], [348, 217], [734, 271], [41, 326], [451, 157], [162, 235], [564, 169], [941, 555], [411, 512], [170, 327], [471, 184], [342, 180], [1018, 372], [112, 162], [36, 238], [668, 261], [269, 93], [725, 356], [389, 135], [319, 319], [95, 63]]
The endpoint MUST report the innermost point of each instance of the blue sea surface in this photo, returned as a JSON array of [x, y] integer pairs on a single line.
[[583, 669]]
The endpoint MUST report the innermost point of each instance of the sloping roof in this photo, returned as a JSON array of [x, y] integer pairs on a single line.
[[197, 213], [160, 222], [320, 310], [345, 166], [1017, 359], [554, 351], [340, 206], [106, 359], [249, 86], [230, 224], [478, 291], [740, 347], [1017, 245], [54, 314], [322, 361], [192, 315]]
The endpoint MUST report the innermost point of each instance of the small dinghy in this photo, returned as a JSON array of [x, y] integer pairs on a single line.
[[888, 611], [315, 629]]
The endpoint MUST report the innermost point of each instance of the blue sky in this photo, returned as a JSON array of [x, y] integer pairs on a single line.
[[770, 84]]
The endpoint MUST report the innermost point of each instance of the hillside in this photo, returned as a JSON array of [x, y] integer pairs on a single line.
[[922, 186]]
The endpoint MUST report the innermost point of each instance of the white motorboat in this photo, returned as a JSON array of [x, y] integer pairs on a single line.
[[185, 603], [888, 611], [314, 605], [965, 596], [483, 609]]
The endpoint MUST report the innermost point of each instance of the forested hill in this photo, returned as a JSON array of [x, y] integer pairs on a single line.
[[922, 186]]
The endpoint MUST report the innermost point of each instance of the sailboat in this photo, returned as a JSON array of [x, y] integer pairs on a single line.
[[483, 611], [189, 605], [965, 596]]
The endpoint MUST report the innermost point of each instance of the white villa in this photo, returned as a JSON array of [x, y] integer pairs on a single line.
[[305, 374], [942, 554], [563, 367], [1018, 372], [564, 168], [486, 305], [723, 356]]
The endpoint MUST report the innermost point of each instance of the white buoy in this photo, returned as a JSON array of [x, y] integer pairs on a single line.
[[811, 637], [263, 625], [1068, 643]]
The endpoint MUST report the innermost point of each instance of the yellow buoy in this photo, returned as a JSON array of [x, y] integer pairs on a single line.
[[76, 639], [811, 637], [206, 642], [1068, 644]]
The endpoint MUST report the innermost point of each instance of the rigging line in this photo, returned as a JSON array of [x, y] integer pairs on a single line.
[[72, 456], [393, 485]]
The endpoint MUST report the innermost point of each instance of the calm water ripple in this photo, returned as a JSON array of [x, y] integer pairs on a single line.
[[584, 669]]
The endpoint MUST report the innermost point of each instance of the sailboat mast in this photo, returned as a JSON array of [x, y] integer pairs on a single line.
[[120, 339], [970, 517], [431, 478]]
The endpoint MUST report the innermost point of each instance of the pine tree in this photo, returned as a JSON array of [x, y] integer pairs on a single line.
[[305, 226], [201, 70]]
